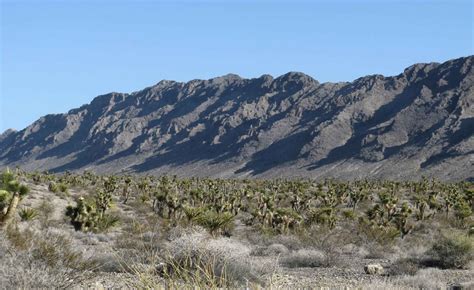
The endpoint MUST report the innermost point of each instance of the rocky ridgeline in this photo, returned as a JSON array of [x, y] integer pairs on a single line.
[[418, 123]]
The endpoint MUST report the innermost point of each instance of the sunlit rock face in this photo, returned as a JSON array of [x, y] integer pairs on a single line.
[[418, 123]]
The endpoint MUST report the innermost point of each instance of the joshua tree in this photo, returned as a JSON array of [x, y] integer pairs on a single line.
[[11, 192], [401, 219], [84, 216]]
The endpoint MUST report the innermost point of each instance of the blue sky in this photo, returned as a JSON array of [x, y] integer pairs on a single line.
[[58, 55]]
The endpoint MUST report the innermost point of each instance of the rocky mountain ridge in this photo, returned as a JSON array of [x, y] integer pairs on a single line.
[[418, 123]]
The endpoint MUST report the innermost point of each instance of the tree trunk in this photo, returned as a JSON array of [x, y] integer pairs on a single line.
[[5, 220]]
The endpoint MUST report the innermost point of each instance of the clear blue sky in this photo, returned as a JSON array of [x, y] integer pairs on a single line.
[[58, 55]]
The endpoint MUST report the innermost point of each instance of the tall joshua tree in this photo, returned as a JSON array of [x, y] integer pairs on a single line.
[[11, 192]]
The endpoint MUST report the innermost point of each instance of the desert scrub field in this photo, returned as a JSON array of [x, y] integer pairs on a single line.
[[88, 230]]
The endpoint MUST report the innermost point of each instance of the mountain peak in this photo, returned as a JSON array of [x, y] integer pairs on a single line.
[[286, 126], [294, 75]]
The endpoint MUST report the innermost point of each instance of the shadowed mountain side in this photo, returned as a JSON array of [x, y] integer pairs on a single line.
[[418, 123]]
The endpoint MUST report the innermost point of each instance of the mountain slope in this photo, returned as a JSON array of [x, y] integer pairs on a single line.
[[420, 122]]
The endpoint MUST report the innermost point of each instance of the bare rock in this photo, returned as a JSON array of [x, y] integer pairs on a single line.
[[373, 269]]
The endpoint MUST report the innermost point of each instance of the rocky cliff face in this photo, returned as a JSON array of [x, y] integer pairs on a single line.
[[420, 122]]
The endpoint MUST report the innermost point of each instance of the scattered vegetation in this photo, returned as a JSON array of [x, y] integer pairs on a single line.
[[236, 232]]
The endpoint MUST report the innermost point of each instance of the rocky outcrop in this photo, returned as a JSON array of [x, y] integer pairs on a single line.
[[418, 123]]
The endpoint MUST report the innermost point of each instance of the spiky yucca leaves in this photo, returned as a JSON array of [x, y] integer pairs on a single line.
[[103, 197], [214, 221], [87, 217], [84, 216], [401, 217], [11, 193], [28, 214]]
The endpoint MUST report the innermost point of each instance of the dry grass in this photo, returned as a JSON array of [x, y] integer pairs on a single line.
[[31, 260], [193, 257]]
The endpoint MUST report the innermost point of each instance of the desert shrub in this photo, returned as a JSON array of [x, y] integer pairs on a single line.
[[423, 279], [450, 253], [45, 212], [383, 235], [51, 247], [271, 250], [353, 250], [404, 266], [20, 240], [305, 258], [291, 242], [462, 211], [429, 278], [349, 214], [25, 267], [196, 257], [28, 214], [56, 250], [274, 250], [109, 262]]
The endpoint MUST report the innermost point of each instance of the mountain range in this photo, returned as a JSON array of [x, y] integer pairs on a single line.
[[417, 123]]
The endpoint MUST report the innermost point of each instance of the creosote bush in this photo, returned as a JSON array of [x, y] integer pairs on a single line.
[[450, 252], [404, 266], [305, 258]]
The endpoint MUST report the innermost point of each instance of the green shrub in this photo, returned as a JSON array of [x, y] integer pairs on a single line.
[[450, 253]]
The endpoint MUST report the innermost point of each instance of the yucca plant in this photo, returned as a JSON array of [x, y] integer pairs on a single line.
[[28, 214], [11, 192], [215, 222], [53, 187]]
